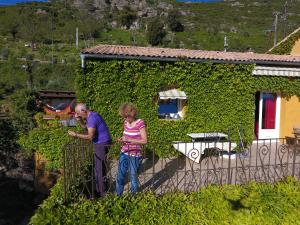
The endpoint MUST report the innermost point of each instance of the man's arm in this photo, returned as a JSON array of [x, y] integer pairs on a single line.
[[89, 136]]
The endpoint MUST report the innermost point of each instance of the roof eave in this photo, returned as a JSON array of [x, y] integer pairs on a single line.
[[85, 56]]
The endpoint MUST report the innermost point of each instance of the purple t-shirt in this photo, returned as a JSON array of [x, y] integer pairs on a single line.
[[94, 120]]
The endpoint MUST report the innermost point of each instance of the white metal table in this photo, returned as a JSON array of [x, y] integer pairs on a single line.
[[207, 136], [202, 141]]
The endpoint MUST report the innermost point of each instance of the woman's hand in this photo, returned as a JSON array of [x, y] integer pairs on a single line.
[[123, 139]]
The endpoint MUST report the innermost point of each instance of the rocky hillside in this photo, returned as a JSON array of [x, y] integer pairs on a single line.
[[247, 23], [143, 8], [168, 23]]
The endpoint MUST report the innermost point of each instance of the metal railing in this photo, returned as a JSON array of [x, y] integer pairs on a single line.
[[196, 165]]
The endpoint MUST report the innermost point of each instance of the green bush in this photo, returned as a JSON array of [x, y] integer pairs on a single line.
[[4, 53], [250, 204], [156, 32], [12, 76], [44, 76], [23, 107], [8, 136], [220, 96], [285, 47], [48, 141], [127, 17], [173, 20]]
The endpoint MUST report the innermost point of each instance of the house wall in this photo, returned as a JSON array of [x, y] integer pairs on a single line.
[[290, 115], [296, 48]]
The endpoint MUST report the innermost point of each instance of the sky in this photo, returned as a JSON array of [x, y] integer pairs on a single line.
[[13, 2]]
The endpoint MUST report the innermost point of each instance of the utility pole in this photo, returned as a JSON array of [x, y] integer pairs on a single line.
[[285, 19], [76, 37], [225, 44], [52, 59], [28, 69], [276, 14], [133, 39]]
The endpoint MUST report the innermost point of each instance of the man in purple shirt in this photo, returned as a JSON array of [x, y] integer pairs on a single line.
[[98, 132]]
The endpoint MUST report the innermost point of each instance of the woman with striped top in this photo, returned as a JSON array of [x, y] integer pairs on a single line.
[[134, 135]]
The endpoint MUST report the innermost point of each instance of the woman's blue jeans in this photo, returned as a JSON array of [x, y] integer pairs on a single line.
[[132, 163]]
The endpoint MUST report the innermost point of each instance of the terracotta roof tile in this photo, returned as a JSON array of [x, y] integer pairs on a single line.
[[134, 51]]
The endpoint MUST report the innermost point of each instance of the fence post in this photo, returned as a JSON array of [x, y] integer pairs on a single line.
[[229, 159], [94, 180], [64, 171], [294, 156]]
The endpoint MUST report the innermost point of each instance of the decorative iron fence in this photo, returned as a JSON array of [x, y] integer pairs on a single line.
[[77, 172], [197, 165]]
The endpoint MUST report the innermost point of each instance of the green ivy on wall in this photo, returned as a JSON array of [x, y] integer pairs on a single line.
[[220, 96], [286, 47]]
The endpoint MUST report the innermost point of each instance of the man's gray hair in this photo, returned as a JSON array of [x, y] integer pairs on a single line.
[[81, 107]]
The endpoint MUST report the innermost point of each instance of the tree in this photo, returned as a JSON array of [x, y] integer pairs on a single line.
[[10, 23], [174, 22], [4, 53], [127, 17], [44, 50], [88, 27], [23, 107], [156, 32], [90, 5], [36, 27], [12, 76], [8, 137]]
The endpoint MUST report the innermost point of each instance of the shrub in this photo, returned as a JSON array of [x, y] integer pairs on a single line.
[[127, 17], [4, 53], [174, 21], [23, 107], [8, 136], [47, 140], [29, 57], [156, 32], [250, 204]]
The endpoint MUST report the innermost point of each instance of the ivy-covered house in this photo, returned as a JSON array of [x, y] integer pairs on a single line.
[[180, 91]]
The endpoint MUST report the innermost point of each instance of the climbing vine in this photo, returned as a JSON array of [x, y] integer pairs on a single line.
[[286, 47], [221, 97], [47, 138]]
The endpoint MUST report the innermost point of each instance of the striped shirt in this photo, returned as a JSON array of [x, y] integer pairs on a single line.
[[133, 132]]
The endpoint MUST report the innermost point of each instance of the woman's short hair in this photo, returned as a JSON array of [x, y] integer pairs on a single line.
[[128, 109]]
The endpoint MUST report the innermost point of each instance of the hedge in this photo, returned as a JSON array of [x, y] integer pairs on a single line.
[[249, 204], [47, 139], [220, 96]]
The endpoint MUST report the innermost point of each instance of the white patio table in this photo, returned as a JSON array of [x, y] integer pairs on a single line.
[[195, 149], [207, 136]]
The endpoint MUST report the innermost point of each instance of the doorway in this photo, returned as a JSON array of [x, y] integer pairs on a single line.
[[267, 115]]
